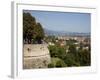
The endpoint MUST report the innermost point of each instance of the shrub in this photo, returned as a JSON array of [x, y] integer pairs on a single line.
[[51, 65], [60, 63]]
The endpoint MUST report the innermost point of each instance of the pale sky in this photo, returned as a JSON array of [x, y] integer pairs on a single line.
[[63, 21]]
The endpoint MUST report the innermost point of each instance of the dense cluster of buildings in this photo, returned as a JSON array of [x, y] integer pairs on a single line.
[[79, 41]]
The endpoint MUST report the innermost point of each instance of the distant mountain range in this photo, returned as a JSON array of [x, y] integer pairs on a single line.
[[64, 33]]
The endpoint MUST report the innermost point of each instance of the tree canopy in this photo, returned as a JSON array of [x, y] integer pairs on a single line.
[[32, 30]]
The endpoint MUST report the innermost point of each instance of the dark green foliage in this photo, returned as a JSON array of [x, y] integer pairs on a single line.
[[79, 57], [61, 52], [38, 33], [72, 49], [70, 60], [74, 57], [84, 57], [51, 65], [32, 31], [28, 27], [53, 51], [56, 62], [57, 51], [60, 63], [74, 52]]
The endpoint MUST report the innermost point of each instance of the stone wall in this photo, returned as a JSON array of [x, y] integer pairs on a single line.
[[36, 56]]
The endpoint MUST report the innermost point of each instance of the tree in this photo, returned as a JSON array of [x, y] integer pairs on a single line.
[[61, 52], [32, 31], [84, 57], [72, 57], [39, 32], [53, 50], [57, 51], [28, 27], [72, 49], [70, 60]]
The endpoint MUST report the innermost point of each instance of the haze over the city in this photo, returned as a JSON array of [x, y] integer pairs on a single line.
[[63, 21]]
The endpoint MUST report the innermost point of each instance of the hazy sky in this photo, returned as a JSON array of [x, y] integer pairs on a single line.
[[63, 21]]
